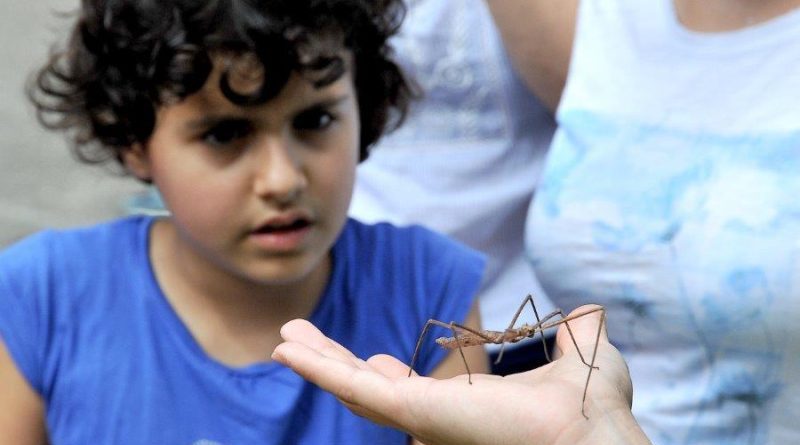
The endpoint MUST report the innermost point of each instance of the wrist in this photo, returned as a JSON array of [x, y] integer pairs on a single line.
[[611, 424]]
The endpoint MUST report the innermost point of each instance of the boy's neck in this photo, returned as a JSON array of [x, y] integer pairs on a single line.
[[235, 322]]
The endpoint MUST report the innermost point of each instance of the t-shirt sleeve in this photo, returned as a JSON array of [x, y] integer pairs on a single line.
[[23, 306], [453, 274]]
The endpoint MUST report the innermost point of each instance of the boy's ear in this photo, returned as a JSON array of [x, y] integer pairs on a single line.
[[137, 162]]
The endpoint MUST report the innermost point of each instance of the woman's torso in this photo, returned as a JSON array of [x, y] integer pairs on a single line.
[[670, 195]]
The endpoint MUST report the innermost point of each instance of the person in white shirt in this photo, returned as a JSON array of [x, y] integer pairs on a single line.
[[466, 160]]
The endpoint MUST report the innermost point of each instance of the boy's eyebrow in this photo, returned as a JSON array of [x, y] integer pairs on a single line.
[[209, 120], [328, 102]]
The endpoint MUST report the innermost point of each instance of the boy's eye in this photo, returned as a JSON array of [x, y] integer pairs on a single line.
[[313, 119], [227, 132]]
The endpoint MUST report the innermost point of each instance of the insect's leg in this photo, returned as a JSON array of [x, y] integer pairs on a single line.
[[461, 350], [424, 332], [476, 334], [452, 326], [565, 321], [464, 336], [513, 322], [591, 365], [594, 356], [527, 299]]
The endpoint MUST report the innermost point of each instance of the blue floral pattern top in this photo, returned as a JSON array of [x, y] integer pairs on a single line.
[[682, 219]]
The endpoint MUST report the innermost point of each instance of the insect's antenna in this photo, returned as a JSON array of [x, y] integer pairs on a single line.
[[452, 326]]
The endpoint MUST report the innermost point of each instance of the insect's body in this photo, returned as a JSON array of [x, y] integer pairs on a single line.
[[464, 337], [493, 337]]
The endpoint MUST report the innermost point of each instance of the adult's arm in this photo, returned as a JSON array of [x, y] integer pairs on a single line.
[[538, 36]]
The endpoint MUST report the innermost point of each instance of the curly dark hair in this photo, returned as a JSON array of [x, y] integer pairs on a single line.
[[126, 58]]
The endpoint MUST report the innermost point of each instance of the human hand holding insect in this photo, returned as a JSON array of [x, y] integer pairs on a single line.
[[538, 406], [465, 336]]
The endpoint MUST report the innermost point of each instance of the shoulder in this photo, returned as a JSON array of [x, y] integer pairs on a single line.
[[52, 241], [388, 232], [61, 281], [69, 254], [418, 274], [412, 258], [413, 240]]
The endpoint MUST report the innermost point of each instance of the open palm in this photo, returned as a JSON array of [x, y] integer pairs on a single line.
[[538, 406]]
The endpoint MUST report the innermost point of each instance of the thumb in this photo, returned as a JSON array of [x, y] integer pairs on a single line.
[[584, 326]]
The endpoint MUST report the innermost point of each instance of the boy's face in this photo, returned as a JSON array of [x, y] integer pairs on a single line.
[[261, 192]]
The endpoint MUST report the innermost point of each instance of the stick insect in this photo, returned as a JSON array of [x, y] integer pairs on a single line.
[[464, 337]]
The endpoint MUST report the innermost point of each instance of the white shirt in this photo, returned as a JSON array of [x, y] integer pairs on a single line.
[[466, 161], [671, 195]]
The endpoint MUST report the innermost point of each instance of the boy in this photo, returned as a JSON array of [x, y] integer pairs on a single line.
[[250, 118]]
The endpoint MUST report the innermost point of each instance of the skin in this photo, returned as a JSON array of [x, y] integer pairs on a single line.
[[729, 15], [226, 171], [218, 195], [258, 195], [21, 408], [542, 406], [195, 270], [538, 34]]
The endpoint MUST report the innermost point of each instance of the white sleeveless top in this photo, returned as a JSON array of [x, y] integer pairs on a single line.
[[467, 159], [671, 195]]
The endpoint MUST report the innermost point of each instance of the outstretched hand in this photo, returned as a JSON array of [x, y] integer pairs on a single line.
[[542, 406]]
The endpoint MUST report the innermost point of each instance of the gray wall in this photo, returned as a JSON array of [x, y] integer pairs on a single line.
[[41, 184]]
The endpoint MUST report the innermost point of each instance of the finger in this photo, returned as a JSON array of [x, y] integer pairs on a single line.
[[363, 390], [313, 365], [304, 332], [389, 366], [308, 361]]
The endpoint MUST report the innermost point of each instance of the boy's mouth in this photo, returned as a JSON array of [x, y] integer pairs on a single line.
[[283, 233], [277, 227]]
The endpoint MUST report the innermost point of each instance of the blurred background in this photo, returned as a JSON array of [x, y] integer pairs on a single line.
[[41, 183]]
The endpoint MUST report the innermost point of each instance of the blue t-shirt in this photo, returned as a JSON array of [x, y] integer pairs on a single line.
[[88, 326]]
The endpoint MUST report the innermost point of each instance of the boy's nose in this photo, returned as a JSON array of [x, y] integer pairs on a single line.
[[279, 175]]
